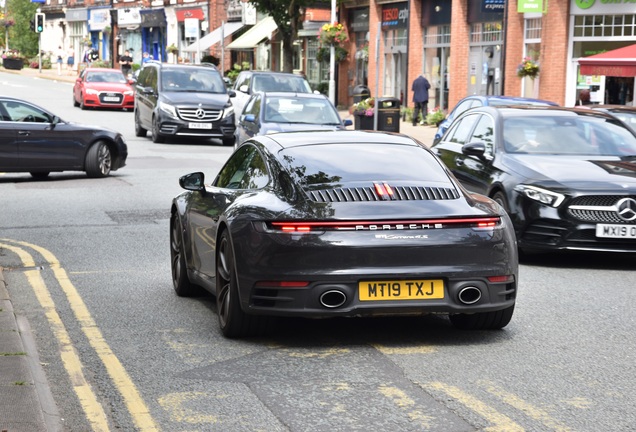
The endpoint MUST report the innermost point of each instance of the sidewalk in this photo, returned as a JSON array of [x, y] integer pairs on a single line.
[[26, 403], [424, 134]]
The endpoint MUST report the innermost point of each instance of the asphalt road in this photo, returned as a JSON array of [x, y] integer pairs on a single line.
[[148, 360]]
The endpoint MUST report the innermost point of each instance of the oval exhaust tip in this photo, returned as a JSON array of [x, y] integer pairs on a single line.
[[333, 298], [469, 295]]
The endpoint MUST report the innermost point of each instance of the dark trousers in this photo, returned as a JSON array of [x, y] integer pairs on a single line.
[[423, 106]]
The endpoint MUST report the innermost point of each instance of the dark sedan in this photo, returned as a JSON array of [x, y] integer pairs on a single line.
[[267, 113], [343, 223], [36, 141], [566, 176], [475, 101], [103, 88]]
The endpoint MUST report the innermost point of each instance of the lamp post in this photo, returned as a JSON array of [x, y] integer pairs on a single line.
[[332, 59]]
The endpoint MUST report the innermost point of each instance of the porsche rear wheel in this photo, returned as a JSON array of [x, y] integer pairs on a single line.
[[483, 320], [180, 281], [233, 321]]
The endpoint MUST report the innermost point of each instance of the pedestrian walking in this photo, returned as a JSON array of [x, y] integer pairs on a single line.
[[70, 61], [420, 98], [126, 63], [60, 59]]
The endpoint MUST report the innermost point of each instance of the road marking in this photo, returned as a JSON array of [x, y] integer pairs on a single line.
[[175, 404], [403, 401], [404, 350], [500, 422], [135, 404], [528, 409], [92, 408]]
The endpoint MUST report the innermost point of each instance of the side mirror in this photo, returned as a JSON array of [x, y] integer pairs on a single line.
[[348, 122], [474, 149], [193, 182], [249, 118], [231, 93], [243, 88]]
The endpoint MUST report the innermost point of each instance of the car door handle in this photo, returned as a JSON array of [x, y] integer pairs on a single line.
[[24, 133]]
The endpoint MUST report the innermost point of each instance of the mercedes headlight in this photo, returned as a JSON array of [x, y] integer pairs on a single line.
[[544, 196], [168, 109], [228, 111]]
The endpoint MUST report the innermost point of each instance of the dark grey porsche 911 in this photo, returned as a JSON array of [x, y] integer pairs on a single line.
[[348, 223]]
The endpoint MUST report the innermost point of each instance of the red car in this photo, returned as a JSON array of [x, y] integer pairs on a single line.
[[103, 88]]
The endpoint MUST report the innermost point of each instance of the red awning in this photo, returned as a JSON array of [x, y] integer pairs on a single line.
[[620, 62], [182, 14]]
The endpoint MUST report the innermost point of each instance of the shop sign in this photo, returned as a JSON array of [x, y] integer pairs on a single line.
[[530, 6], [128, 17], [359, 19], [191, 26], [493, 5], [99, 19], [589, 7], [395, 16], [183, 14]]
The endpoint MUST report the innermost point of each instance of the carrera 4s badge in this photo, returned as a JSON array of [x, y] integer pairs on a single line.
[[400, 236]]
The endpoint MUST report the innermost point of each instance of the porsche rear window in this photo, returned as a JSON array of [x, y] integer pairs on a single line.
[[344, 163]]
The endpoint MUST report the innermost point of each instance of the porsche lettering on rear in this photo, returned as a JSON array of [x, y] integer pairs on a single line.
[[414, 226]]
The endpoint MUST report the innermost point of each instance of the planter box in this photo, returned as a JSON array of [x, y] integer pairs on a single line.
[[363, 122], [15, 64]]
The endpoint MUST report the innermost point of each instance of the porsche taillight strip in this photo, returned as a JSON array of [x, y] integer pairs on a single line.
[[305, 227]]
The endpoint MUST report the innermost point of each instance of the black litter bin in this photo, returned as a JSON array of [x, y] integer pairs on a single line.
[[388, 114], [360, 93]]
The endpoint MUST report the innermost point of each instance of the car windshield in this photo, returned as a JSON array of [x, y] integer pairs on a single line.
[[305, 110], [580, 135], [280, 83], [192, 80], [107, 77], [331, 163], [627, 117]]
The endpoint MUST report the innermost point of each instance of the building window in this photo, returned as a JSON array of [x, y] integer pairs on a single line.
[[604, 25], [437, 35], [486, 32], [533, 29]]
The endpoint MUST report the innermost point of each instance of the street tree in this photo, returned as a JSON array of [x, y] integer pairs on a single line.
[[288, 15], [21, 37]]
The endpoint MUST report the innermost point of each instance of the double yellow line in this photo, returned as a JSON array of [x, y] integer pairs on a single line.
[[72, 363]]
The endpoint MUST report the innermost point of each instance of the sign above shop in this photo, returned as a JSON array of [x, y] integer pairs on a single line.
[[620, 62], [395, 16], [531, 6]]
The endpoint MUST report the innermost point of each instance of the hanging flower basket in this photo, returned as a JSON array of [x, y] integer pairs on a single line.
[[528, 68], [332, 34], [172, 49]]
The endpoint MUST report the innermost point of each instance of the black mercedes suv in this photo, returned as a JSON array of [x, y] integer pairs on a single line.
[[182, 100]]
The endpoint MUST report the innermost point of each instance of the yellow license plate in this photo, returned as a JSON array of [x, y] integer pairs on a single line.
[[401, 290]]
